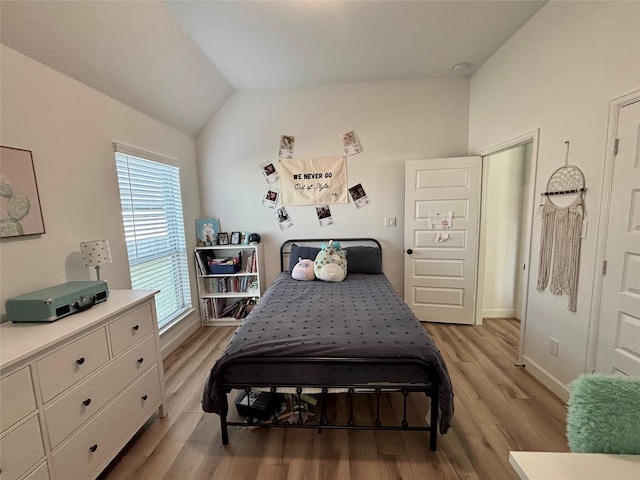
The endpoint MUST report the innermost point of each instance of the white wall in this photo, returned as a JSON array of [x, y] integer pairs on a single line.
[[559, 72], [70, 128], [503, 228], [395, 122]]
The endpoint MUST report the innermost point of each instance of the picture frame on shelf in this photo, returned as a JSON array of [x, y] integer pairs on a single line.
[[207, 230], [235, 238], [223, 238]]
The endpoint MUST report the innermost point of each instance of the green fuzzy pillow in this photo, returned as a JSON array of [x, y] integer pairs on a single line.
[[604, 414]]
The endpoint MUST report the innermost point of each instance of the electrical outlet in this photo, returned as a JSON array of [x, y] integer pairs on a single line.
[[389, 221], [553, 346]]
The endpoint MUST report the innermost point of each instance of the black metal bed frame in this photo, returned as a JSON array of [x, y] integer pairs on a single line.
[[284, 253], [431, 390]]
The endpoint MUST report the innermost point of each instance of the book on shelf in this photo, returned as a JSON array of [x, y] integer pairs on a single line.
[[199, 265], [249, 266], [245, 308], [239, 309], [230, 310], [213, 308], [240, 284], [203, 260], [208, 309], [219, 305]]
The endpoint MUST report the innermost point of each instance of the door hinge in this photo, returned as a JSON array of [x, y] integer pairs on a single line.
[[616, 142], [604, 267]]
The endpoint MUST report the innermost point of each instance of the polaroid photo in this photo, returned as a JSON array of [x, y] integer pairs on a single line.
[[269, 171], [286, 146], [351, 143], [270, 197], [359, 196], [323, 213], [284, 220]]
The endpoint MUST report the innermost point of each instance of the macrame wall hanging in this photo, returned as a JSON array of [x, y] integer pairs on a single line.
[[562, 233]]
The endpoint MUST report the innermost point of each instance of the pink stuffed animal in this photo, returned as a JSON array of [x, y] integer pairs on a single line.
[[303, 270]]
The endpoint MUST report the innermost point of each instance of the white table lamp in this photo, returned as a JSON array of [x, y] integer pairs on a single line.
[[95, 253]]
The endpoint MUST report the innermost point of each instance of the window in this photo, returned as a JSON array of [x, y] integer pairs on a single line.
[[151, 202]]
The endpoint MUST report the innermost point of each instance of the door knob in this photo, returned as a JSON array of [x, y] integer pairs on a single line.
[[409, 251]]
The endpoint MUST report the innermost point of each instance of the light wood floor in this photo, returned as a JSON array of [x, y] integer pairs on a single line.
[[498, 407]]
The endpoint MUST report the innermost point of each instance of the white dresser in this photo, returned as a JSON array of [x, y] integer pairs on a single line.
[[74, 392]]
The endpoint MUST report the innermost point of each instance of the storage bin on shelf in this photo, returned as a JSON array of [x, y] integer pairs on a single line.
[[223, 269]]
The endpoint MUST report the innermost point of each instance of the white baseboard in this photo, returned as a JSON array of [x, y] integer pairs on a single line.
[[176, 336], [548, 380], [498, 313]]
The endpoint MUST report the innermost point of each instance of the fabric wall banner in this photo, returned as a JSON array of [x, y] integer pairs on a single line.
[[313, 181]]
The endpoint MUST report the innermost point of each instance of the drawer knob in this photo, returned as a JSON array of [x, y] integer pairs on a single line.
[[140, 360], [144, 398], [87, 402], [80, 361], [93, 447], [136, 327]]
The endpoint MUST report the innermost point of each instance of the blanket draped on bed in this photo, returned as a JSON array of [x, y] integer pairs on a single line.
[[360, 317]]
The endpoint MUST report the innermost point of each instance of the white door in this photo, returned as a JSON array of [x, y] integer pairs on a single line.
[[440, 266], [618, 348]]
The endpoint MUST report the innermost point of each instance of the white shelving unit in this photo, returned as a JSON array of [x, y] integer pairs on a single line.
[[221, 290]]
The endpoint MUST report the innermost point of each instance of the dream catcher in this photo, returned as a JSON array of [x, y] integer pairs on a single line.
[[561, 233]]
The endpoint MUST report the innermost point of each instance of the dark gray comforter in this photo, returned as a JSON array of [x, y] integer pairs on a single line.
[[361, 317]]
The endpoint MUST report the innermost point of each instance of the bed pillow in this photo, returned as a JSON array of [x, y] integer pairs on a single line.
[[299, 252], [364, 260]]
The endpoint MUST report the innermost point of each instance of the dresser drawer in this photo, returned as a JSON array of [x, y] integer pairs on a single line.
[[129, 329], [40, 473], [21, 449], [84, 452], [63, 368], [68, 412], [16, 398]]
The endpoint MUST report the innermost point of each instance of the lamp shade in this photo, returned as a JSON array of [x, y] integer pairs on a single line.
[[95, 252]]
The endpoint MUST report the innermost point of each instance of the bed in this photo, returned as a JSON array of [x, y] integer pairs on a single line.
[[357, 336]]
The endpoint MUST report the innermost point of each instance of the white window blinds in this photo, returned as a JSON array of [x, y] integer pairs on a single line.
[[151, 202]]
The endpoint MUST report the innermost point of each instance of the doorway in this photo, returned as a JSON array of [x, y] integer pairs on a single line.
[[614, 337], [508, 206]]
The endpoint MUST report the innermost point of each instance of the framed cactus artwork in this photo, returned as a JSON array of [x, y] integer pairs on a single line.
[[20, 212]]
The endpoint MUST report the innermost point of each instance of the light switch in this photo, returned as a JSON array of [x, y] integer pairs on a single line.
[[389, 221]]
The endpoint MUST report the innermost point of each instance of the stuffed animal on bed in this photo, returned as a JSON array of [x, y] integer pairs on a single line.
[[303, 270], [331, 263]]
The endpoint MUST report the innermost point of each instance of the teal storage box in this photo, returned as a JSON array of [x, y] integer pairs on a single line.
[[53, 303]]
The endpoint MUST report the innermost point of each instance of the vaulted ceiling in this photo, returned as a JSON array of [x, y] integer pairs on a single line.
[[178, 61]]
